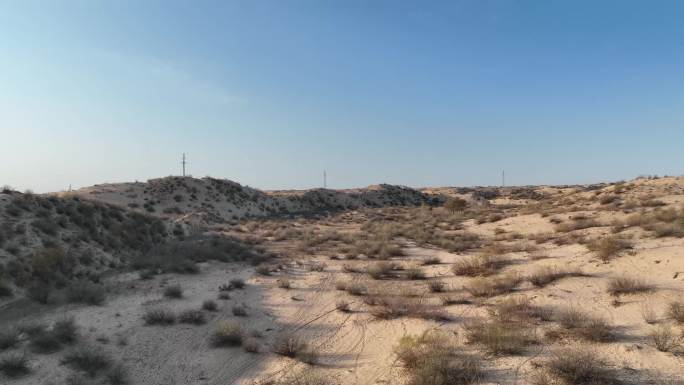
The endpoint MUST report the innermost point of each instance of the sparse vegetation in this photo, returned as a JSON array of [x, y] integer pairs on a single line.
[[86, 292], [627, 285], [14, 365], [665, 339], [676, 311], [578, 367], [87, 359], [192, 316], [228, 333], [547, 274], [209, 305], [173, 291], [159, 317], [609, 247], [482, 265]]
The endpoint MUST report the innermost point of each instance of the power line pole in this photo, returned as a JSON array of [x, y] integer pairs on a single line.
[[325, 179], [183, 163], [503, 178]]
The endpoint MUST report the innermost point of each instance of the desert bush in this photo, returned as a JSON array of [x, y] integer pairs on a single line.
[[340, 285], [45, 343], [209, 305], [86, 292], [454, 299], [482, 265], [665, 339], [500, 338], [87, 359], [342, 306], [239, 311], [159, 317], [519, 309], [65, 330], [380, 270], [251, 345], [264, 270], [237, 283], [609, 247], [436, 286], [32, 328], [173, 291], [289, 345], [493, 286], [224, 295], [626, 285], [648, 314], [117, 375], [14, 365], [547, 274], [9, 338], [304, 377], [284, 283], [5, 290], [675, 311], [580, 366], [40, 292], [228, 333], [192, 316], [578, 224], [431, 261], [433, 359], [585, 326], [357, 288], [415, 273]]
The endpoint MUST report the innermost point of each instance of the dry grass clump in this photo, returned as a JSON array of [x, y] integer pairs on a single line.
[[349, 268], [627, 285], [577, 224], [343, 306], [87, 359], [434, 359], [380, 270], [665, 339], [86, 292], [607, 248], [173, 291], [481, 265], [431, 261], [549, 274], [284, 283], [577, 366], [519, 309], [387, 307], [9, 338], [293, 346], [159, 317], [192, 316], [357, 288], [228, 333], [14, 365], [501, 338], [436, 286], [675, 311], [455, 299], [239, 311], [305, 377], [585, 326], [415, 273], [209, 305], [493, 286]]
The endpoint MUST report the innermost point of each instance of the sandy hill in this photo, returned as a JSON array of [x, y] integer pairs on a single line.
[[213, 200]]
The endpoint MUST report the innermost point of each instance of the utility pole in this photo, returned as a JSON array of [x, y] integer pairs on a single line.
[[503, 178], [325, 179], [183, 163]]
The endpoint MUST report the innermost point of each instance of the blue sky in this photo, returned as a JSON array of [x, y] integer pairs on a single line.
[[269, 93]]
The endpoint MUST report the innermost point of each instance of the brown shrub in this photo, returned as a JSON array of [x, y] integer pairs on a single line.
[[547, 274], [676, 311], [493, 286], [482, 265], [626, 285], [607, 248]]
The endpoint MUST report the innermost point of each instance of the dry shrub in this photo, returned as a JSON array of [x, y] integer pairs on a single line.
[[500, 338], [382, 269], [192, 316], [676, 311], [547, 274], [481, 265], [395, 307], [577, 224], [585, 326], [415, 273], [436, 286], [455, 299], [665, 339], [576, 366], [159, 317], [627, 285], [349, 268], [228, 333], [15, 365], [293, 346], [357, 288], [493, 286], [434, 359], [431, 261], [342, 306], [519, 309], [305, 377], [607, 248]]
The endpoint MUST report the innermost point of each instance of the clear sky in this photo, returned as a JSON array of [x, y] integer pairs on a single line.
[[269, 93]]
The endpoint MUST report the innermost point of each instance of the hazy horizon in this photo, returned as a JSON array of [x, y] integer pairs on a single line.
[[270, 93]]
